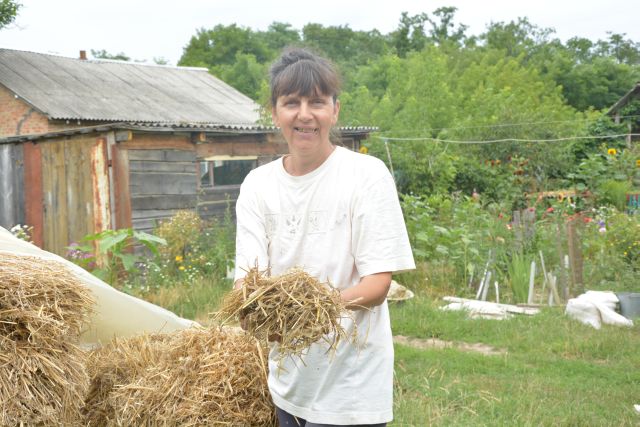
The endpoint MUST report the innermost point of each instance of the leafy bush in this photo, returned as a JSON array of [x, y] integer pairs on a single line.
[[195, 248], [454, 234], [110, 255], [614, 193]]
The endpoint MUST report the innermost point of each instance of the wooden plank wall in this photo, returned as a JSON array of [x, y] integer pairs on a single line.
[[67, 192], [161, 182], [11, 185], [213, 202]]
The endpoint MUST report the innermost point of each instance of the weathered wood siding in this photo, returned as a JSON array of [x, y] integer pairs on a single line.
[[11, 185], [161, 182], [67, 188], [213, 202]]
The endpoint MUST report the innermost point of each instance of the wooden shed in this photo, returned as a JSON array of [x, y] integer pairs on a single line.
[[91, 145]]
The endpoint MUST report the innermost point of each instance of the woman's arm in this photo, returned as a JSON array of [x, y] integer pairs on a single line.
[[370, 291]]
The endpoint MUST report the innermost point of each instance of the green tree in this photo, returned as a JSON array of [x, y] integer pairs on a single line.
[[279, 35], [410, 34], [244, 74], [443, 30], [348, 48], [8, 11], [219, 46], [518, 38], [624, 51]]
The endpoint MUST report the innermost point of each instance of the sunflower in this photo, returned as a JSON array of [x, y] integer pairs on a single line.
[[612, 151]]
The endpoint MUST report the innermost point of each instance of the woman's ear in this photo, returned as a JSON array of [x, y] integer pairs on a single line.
[[274, 116], [336, 112]]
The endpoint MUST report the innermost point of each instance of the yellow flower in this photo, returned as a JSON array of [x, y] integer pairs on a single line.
[[638, 163], [178, 258], [181, 268], [612, 151], [363, 149]]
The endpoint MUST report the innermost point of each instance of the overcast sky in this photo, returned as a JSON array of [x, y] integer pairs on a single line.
[[146, 29]]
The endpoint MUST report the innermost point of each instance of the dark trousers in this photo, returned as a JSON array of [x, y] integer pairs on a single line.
[[285, 419]]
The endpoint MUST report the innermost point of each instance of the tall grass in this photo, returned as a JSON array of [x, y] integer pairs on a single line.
[[518, 270]]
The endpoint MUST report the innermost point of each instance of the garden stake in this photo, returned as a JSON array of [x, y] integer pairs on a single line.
[[532, 276], [485, 287], [544, 273], [484, 274]]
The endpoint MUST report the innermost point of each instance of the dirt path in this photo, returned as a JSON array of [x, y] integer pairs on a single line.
[[424, 343]]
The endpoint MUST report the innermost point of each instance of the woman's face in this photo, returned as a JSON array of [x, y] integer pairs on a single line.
[[306, 121]]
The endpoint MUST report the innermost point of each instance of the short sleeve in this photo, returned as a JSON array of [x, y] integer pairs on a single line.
[[251, 237], [379, 235]]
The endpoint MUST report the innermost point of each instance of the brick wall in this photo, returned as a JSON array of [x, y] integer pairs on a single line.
[[17, 117]]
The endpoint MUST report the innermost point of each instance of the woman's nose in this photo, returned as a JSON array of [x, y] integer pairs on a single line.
[[305, 111]]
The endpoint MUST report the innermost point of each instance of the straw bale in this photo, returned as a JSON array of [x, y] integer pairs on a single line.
[[188, 378], [41, 385], [294, 308], [116, 364], [43, 308], [40, 300]]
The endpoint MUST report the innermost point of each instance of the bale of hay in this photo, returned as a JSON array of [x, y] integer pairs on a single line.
[[116, 364], [41, 386], [40, 300], [294, 307], [42, 372], [188, 378]]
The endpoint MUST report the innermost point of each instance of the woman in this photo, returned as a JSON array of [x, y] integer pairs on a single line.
[[336, 214]]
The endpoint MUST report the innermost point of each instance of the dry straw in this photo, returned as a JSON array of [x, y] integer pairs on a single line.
[[188, 378], [43, 308], [116, 364], [293, 308]]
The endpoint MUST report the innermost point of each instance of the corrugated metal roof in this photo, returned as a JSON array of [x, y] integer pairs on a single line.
[[239, 129], [68, 88]]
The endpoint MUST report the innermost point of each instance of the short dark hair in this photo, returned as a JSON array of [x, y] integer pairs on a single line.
[[300, 71]]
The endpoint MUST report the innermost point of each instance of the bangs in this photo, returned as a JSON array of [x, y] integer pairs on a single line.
[[305, 78]]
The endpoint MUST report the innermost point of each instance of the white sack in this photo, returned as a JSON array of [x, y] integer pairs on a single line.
[[116, 314], [595, 308]]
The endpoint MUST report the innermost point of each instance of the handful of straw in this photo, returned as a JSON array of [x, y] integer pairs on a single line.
[[295, 307]]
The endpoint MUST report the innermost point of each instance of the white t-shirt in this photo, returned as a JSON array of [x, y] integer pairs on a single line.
[[339, 223]]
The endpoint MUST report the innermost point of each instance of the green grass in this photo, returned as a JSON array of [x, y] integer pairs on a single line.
[[556, 371]]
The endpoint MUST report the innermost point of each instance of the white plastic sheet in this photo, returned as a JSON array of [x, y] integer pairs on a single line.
[[116, 314], [595, 308]]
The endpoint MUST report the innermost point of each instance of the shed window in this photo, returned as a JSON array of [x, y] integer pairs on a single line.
[[225, 170]]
